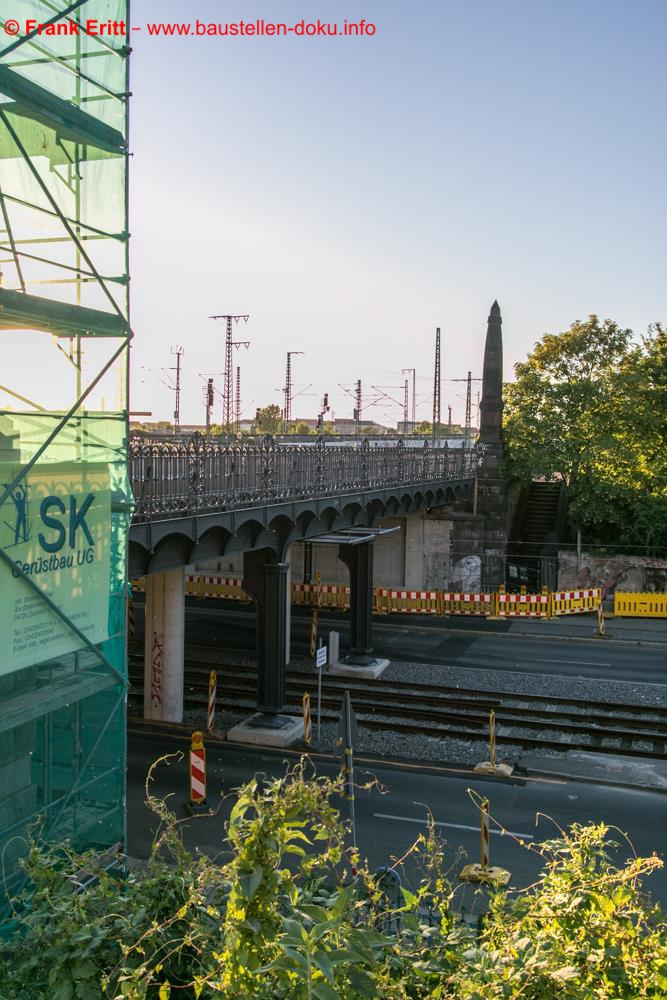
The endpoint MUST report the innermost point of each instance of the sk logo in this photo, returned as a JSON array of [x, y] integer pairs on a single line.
[[21, 524]]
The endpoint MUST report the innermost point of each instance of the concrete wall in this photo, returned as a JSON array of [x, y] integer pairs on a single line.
[[416, 557], [625, 572], [388, 559], [229, 565]]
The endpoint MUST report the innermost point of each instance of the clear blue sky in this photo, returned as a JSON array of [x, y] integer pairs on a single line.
[[353, 193]]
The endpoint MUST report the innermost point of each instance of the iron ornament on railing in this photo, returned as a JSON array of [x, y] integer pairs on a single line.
[[185, 476]]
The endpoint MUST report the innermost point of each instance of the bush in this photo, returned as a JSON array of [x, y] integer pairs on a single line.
[[281, 917]]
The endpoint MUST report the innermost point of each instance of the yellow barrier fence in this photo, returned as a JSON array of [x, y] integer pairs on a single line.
[[416, 602], [224, 587], [573, 602], [640, 605], [438, 602], [523, 605], [465, 604], [334, 595], [331, 595], [301, 594]]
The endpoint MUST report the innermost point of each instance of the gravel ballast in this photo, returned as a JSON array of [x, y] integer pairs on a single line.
[[445, 749]]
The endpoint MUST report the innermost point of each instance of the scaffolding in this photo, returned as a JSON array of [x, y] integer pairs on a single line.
[[65, 500]]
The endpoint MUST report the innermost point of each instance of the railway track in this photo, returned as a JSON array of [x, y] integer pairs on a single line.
[[528, 720]]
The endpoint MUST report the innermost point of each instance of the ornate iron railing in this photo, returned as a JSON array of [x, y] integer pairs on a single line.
[[179, 477]]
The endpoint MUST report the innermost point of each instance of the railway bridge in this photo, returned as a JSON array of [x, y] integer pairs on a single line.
[[197, 500]]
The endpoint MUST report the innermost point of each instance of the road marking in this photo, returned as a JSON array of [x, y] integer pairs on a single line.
[[578, 663], [450, 626], [453, 826]]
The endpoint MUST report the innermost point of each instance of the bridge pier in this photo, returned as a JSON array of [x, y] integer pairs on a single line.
[[164, 645], [360, 660], [268, 582]]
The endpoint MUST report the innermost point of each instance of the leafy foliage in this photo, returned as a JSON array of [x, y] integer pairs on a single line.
[[269, 419], [282, 918], [424, 428], [300, 427], [589, 406]]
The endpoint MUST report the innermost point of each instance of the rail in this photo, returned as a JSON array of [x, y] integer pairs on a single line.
[[196, 476]]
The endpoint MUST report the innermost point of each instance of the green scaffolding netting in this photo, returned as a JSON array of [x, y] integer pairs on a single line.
[[65, 501], [63, 533], [63, 102]]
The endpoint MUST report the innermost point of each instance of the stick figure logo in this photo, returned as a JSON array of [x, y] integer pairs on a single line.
[[21, 524]]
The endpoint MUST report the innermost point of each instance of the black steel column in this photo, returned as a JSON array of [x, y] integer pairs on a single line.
[[359, 561], [267, 580], [307, 562]]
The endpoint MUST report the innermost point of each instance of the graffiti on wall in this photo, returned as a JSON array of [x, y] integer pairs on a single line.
[[157, 659], [611, 573], [467, 574]]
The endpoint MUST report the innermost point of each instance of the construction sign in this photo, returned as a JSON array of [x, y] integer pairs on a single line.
[[54, 533]]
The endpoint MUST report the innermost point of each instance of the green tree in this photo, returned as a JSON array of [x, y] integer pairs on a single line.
[[555, 410], [424, 427], [269, 420], [300, 428], [586, 407]]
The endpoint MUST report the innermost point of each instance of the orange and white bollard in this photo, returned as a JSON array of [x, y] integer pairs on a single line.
[[484, 829], [601, 625], [313, 634], [197, 773], [317, 591], [307, 721], [484, 871], [491, 766], [212, 695], [131, 625]]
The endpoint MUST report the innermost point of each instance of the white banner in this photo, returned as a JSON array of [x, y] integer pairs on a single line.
[[55, 526]]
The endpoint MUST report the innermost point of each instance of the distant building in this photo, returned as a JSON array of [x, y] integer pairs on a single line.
[[369, 428]]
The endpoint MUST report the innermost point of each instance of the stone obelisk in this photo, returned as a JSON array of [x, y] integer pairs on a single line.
[[491, 488], [479, 533], [491, 409]]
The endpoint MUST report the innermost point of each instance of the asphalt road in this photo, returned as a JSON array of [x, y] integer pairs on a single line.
[[465, 642], [389, 821]]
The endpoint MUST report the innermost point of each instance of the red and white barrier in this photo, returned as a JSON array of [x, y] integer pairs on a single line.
[[466, 604], [575, 602], [212, 697], [307, 720], [524, 605], [197, 771]]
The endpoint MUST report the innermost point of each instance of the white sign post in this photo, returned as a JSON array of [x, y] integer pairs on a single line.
[[320, 663]]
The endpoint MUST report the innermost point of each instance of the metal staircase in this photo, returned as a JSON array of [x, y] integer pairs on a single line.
[[537, 529]]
